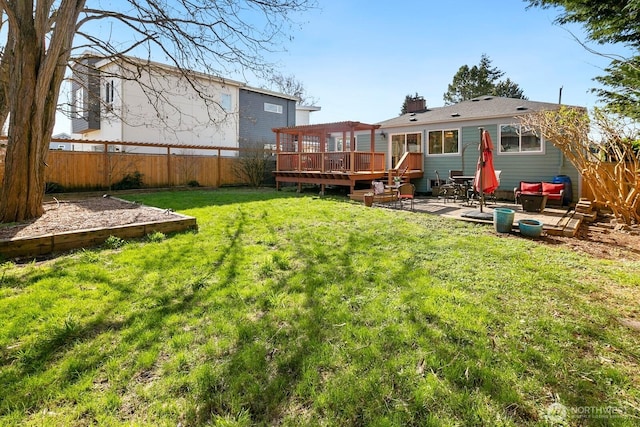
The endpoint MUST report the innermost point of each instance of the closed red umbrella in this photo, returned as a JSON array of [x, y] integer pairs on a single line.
[[486, 180]]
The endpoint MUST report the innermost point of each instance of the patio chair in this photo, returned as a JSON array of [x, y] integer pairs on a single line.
[[453, 173], [383, 195], [460, 187], [406, 191], [446, 190]]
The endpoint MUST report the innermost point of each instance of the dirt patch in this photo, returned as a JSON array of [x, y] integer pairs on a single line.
[[602, 240], [97, 212]]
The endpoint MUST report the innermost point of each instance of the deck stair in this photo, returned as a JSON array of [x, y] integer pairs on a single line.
[[584, 210], [398, 173], [567, 225], [358, 195]]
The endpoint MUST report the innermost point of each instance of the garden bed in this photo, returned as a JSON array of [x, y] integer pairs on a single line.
[[84, 223]]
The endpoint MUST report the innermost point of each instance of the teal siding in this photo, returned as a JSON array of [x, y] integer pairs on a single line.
[[465, 161], [382, 145], [363, 143], [514, 167], [535, 167], [331, 144]]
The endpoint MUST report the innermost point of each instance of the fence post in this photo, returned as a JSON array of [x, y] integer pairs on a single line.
[[107, 183], [218, 172], [169, 165]]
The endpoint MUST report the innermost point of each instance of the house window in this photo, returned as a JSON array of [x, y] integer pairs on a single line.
[[225, 102], [515, 138], [404, 142], [79, 103], [345, 144], [272, 108], [444, 141], [108, 93]]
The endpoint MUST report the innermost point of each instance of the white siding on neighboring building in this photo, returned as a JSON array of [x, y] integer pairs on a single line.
[[175, 113], [303, 114], [155, 103]]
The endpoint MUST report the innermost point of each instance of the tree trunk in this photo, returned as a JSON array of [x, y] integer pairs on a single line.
[[38, 55], [23, 183]]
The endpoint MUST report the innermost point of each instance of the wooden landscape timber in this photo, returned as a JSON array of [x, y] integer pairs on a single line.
[[48, 243]]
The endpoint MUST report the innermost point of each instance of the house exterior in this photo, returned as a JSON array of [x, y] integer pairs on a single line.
[[303, 114], [260, 111], [64, 146], [424, 145], [449, 137], [109, 104]]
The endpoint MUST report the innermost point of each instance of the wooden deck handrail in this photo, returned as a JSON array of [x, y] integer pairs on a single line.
[[332, 161], [409, 161]]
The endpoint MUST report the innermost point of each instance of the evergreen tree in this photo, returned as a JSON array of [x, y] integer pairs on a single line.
[[479, 80], [609, 21]]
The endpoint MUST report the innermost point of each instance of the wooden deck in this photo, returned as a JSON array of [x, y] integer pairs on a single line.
[[306, 156], [348, 179], [344, 168]]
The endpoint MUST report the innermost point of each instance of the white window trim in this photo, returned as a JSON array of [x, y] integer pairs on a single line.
[[270, 107], [421, 133], [517, 153], [426, 142], [109, 92], [226, 102]]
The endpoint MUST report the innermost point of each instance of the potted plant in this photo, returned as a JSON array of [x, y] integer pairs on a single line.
[[368, 199]]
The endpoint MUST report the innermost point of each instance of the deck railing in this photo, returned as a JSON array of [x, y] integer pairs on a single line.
[[358, 161], [410, 161]]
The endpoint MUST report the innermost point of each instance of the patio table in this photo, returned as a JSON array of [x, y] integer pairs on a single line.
[[533, 202], [464, 184]]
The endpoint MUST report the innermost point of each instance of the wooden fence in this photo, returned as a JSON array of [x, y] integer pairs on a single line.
[[84, 170], [613, 173]]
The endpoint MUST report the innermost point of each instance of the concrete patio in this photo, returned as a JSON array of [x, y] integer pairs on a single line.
[[556, 220]]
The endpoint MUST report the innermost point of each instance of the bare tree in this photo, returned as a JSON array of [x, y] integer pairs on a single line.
[[212, 37], [119, 165], [609, 166], [253, 164], [292, 86]]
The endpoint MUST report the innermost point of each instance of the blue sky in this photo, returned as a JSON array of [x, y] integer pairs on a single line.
[[360, 58]]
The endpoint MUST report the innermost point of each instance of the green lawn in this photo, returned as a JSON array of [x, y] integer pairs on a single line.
[[288, 309]]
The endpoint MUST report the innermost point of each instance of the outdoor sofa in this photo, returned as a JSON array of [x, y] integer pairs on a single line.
[[554, 192]]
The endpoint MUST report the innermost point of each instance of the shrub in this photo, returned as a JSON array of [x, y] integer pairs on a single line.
[[114, 242], [193, 183], [253, 164], [156, 237], [129, 181], [53, 187]]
